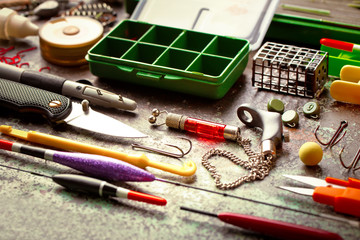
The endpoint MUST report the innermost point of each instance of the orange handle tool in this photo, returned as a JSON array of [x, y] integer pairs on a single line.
[[343, 200], [352, 182]]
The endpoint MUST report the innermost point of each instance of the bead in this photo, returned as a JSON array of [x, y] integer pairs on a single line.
[[85, 105], [290, 118], [310, 153], [152, 119], [275, 105], [311, 109], [155, 112]]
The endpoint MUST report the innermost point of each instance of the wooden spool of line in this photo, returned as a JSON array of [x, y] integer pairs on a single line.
[[66, 40]]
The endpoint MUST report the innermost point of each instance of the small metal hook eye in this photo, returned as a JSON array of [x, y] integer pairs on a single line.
[[292, 125]]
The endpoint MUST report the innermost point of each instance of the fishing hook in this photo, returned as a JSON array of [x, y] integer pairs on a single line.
[[166, 153], [334, 139]]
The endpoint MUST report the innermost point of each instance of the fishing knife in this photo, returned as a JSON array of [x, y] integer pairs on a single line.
[[60, 109], [60, 85]]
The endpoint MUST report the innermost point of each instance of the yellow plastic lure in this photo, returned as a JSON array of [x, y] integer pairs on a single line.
[[348, 88], [139, 160]]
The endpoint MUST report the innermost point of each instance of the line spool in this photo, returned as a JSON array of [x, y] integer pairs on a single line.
[[66, 40]]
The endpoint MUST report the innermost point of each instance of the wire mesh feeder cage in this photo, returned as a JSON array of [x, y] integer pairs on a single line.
[[289, 69]]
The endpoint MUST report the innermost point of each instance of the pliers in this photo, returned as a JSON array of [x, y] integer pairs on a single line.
[[343, 195]]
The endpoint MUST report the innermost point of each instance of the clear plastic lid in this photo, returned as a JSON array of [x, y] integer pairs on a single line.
[[245, 19]]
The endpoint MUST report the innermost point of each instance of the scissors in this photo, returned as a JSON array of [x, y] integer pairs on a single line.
[[343, 195]]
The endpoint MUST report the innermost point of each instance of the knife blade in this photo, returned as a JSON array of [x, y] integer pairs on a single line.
[[60, 109]]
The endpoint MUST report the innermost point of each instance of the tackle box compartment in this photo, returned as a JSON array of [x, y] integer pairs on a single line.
[[193, 47], [181, 60]]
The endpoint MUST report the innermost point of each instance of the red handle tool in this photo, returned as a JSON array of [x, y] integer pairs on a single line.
[[274, 228]]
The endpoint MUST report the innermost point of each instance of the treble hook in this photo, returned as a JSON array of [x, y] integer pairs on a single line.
[[354, 161], [333, 140], [169, 154]]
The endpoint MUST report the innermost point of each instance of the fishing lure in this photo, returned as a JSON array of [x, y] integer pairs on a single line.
[[102, 188], [95, 165]]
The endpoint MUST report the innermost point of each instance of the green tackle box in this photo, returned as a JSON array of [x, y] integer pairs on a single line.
[[180, 55], [308, 31], [304, 31]]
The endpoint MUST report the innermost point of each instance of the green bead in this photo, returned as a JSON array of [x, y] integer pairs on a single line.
[[275, 105], [290, 118], [311, 109]]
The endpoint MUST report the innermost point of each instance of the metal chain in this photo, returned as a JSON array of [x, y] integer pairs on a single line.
[[258, 165]]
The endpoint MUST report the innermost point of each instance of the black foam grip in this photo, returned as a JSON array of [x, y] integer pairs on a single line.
[[44, 81], [24, 98]]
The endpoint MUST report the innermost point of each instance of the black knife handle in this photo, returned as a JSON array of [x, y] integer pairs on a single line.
[[24, 98]]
